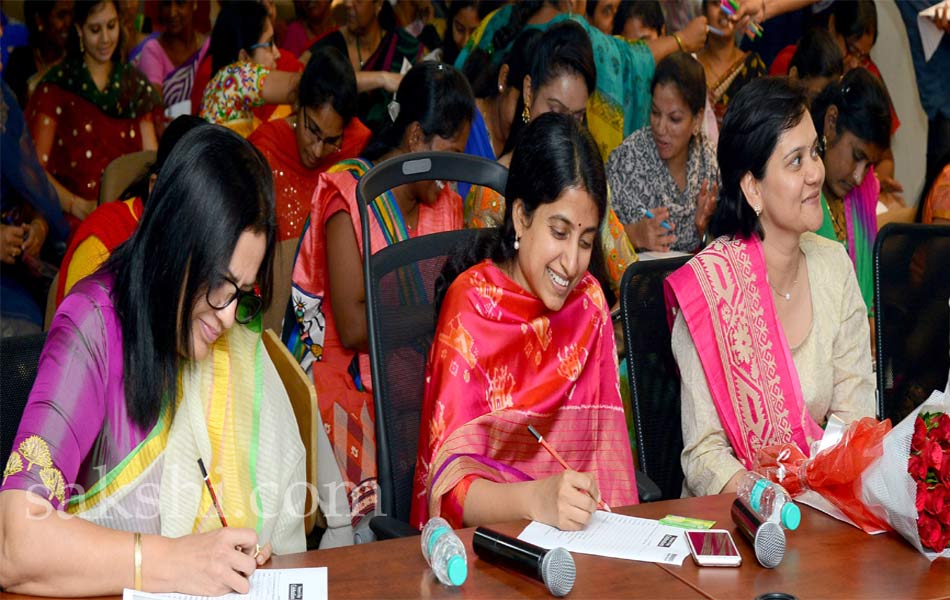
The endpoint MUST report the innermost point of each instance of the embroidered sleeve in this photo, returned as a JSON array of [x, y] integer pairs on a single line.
[[66, 407], [233, 92]]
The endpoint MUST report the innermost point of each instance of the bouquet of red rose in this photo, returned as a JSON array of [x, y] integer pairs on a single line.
[[880, 478]]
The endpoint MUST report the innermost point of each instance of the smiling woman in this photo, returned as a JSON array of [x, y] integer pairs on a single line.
[[152, 363], [524, 330]]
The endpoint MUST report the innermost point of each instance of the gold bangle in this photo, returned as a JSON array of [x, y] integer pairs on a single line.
[[679, 42], [138, 562]]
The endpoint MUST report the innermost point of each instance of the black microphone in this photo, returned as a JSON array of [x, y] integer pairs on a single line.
[[554, 568]]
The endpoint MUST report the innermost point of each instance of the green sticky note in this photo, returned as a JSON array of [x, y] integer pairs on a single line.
[[686, 522]]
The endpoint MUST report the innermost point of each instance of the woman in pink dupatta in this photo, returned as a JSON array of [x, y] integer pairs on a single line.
[[769, 328], [329, 334], [525, 338]]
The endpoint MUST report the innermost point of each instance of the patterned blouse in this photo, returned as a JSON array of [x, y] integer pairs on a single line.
[[639, 180], [233, 92]]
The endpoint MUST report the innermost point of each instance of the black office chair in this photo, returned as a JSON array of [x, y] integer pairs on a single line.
[[19, 358], [912, 320], [399, 282], [654, 376]]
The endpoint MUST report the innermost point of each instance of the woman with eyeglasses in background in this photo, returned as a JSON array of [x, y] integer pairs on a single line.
[[243, 63], [323, 131], [144, 373]]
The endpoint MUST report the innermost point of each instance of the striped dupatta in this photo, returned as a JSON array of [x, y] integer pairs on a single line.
[[723, 293], [501, 361]]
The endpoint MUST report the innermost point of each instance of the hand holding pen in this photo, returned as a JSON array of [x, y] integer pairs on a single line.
[[747, 14], [261, 554], [654, 231], [594, 493]]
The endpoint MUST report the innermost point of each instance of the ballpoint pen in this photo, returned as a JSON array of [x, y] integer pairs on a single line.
[[214, 498], [664, 223], [601, 504]]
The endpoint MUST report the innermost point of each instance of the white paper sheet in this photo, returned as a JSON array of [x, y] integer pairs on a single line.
[[930, 36], [266, 584], [615, 536]]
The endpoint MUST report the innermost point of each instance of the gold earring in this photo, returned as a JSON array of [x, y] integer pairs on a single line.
[[82, 47], [526, 114]]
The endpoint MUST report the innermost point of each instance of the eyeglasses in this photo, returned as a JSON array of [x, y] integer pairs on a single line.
[[269, 45], [249, 303], [334, 143]]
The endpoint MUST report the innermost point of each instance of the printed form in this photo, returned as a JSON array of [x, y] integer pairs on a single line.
[[266, 584], [615, 536]]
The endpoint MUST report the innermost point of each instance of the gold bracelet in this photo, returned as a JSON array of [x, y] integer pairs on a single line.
[[679, 42], [138, 562]]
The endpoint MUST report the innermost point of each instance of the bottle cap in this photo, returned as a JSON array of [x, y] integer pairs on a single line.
[[755, 497], [791, 516], [435, 535], [457, 570]]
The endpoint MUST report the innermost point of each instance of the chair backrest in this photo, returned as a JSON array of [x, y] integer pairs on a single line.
[[19, 357], [400, 282], [51, 302], [283, 276], [303, 399], [122, 172], [654, 376], [912, 319]]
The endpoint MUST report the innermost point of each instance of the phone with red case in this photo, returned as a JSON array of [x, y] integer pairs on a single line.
[[713, 548]]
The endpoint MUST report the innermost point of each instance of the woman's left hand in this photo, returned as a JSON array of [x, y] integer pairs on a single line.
[[35, 236], [706, 205]]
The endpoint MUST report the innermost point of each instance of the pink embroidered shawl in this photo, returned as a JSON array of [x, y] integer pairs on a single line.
[[502, 361], [724, 295]]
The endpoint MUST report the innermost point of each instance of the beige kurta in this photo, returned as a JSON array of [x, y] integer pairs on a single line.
[[833, 364]]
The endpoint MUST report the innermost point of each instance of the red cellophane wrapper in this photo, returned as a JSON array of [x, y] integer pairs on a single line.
[[834, 473]]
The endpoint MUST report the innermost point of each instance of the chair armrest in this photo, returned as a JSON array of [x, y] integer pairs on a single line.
[[387, 528], [647, 489]]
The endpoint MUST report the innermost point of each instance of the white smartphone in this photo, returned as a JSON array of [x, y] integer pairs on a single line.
[[713, 548]]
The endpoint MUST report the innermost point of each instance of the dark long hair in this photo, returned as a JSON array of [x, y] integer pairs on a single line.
[[758, 115], [436, 96], [555, 153], [173, 134], [81, 11], [482, 65], [329, 77], [214, 187], [563, 48], [817, 55], [686, 74], [864, 108], [239, 26]]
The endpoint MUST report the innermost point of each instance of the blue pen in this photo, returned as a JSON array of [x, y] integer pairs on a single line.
[[664, 224]]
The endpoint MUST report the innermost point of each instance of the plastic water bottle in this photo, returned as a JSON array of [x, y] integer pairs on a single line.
[[444, 552], [770, 500]]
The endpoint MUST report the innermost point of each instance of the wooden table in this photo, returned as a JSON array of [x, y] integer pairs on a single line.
[[824, 559]]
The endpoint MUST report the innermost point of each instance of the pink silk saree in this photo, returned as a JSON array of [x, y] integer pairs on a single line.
[[501, 361], [724, 295]]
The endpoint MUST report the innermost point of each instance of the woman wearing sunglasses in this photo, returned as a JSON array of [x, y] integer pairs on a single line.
[[244, 61], [144, 373]]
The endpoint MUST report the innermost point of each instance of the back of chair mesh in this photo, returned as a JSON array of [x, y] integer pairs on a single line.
[[19, 358], [403, 318], [912, 317], [654, 377]]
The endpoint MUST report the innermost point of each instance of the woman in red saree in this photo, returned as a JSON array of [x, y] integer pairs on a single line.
[[321, 132], [525, 338], [329, 335], [769, 328]]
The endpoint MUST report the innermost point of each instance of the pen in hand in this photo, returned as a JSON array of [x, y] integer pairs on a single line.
[[601, 504], [664, 223], [214, 498]]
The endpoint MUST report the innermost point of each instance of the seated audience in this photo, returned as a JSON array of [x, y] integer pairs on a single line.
[[243, 63], [113, 223], [851, 117], [769, 330], [639, 20], [322, 132], [329, 337], [524, 337], [560, 77], [314, 21], [667, 169], [48, 22], [170, 60], [90, 97], [461, 19], [817, 62], [382, 54], [142, 375], [727, 67], [31, 220]]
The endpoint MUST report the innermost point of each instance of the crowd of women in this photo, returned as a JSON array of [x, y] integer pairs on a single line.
[[625, 127]]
